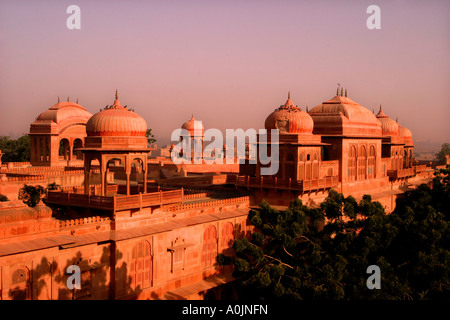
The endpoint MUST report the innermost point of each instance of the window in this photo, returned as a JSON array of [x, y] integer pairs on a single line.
[[209, 252], [352, 164], [20, 284], [227, 239], [362, 163], [371, 161], [141, 265]]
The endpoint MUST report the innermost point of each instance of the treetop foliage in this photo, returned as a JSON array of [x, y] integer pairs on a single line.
[[323, 253]]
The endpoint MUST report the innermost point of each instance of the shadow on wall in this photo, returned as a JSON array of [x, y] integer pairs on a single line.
[[48, 281]]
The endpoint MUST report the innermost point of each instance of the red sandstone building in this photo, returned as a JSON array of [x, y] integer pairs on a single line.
[[142, 228]]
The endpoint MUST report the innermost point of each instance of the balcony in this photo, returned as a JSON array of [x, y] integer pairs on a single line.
[[287, 184], [115, 203], [401, 173]]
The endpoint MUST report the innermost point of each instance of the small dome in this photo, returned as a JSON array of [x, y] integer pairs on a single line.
[[116, 120], [406, 134], [388, 126], [195, 127], [289, 119]]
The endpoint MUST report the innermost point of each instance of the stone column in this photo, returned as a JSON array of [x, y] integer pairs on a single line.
[[128, 172]]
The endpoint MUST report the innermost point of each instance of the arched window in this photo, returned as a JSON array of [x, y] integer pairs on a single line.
[[141, 265], [352, 164], [227, 239], [77, 144], [209, 252], [64, 149], [362, 163], [20, 284], [315, 174], [371, 161]]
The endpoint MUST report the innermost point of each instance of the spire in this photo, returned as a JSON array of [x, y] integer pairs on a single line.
[[345, 92], [77, 100], [117, 95], [307, 109], [381, 109], [342, 91], [396, 119], [58, 100], [67, 99], [337, 91], [289, 95]]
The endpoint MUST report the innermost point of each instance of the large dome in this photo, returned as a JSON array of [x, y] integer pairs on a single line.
[[388, 126], [290, 119], [63, 111], [343, 116], [116, 120]]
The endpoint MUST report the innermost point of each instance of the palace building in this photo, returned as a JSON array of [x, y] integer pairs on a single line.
[[139, 227]]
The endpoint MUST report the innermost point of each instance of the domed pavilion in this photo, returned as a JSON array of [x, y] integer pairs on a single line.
[[57, 133], [299, 149], [115, 135]]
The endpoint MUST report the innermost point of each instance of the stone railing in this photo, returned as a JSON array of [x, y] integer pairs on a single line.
[[115, 202], [82, 221], [401, 173], [205, 204]]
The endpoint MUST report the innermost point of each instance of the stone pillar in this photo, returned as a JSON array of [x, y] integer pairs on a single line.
[[70, 150], [128, 172], [87, 172], [103, 178], [144, 171]]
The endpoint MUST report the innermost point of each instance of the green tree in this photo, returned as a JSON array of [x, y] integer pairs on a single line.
[[445, 150], [295, 254], [3, 198], [15, 150], [31, 195], [53, 186], [150, 137]]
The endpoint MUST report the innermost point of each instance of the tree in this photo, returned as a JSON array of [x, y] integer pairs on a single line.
[[150, 136], [31, 195], [15, 150], [3, 198], [293, 255], [53, 186], [445, 150]]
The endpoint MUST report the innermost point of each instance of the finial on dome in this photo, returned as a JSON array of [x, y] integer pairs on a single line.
[[345, 92], [289, 95], [67, 99], [117, 95], [396, 119], [306, 108], [77, 100], [381, 108], [58, 100], [342, 91]]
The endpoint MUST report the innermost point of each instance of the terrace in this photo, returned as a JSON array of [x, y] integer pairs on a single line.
[[401, 173], [115, 202]]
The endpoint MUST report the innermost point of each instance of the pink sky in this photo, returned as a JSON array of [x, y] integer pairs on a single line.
[[230, 63]]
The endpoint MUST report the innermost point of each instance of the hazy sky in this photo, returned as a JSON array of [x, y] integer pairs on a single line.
[[230, 63]]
